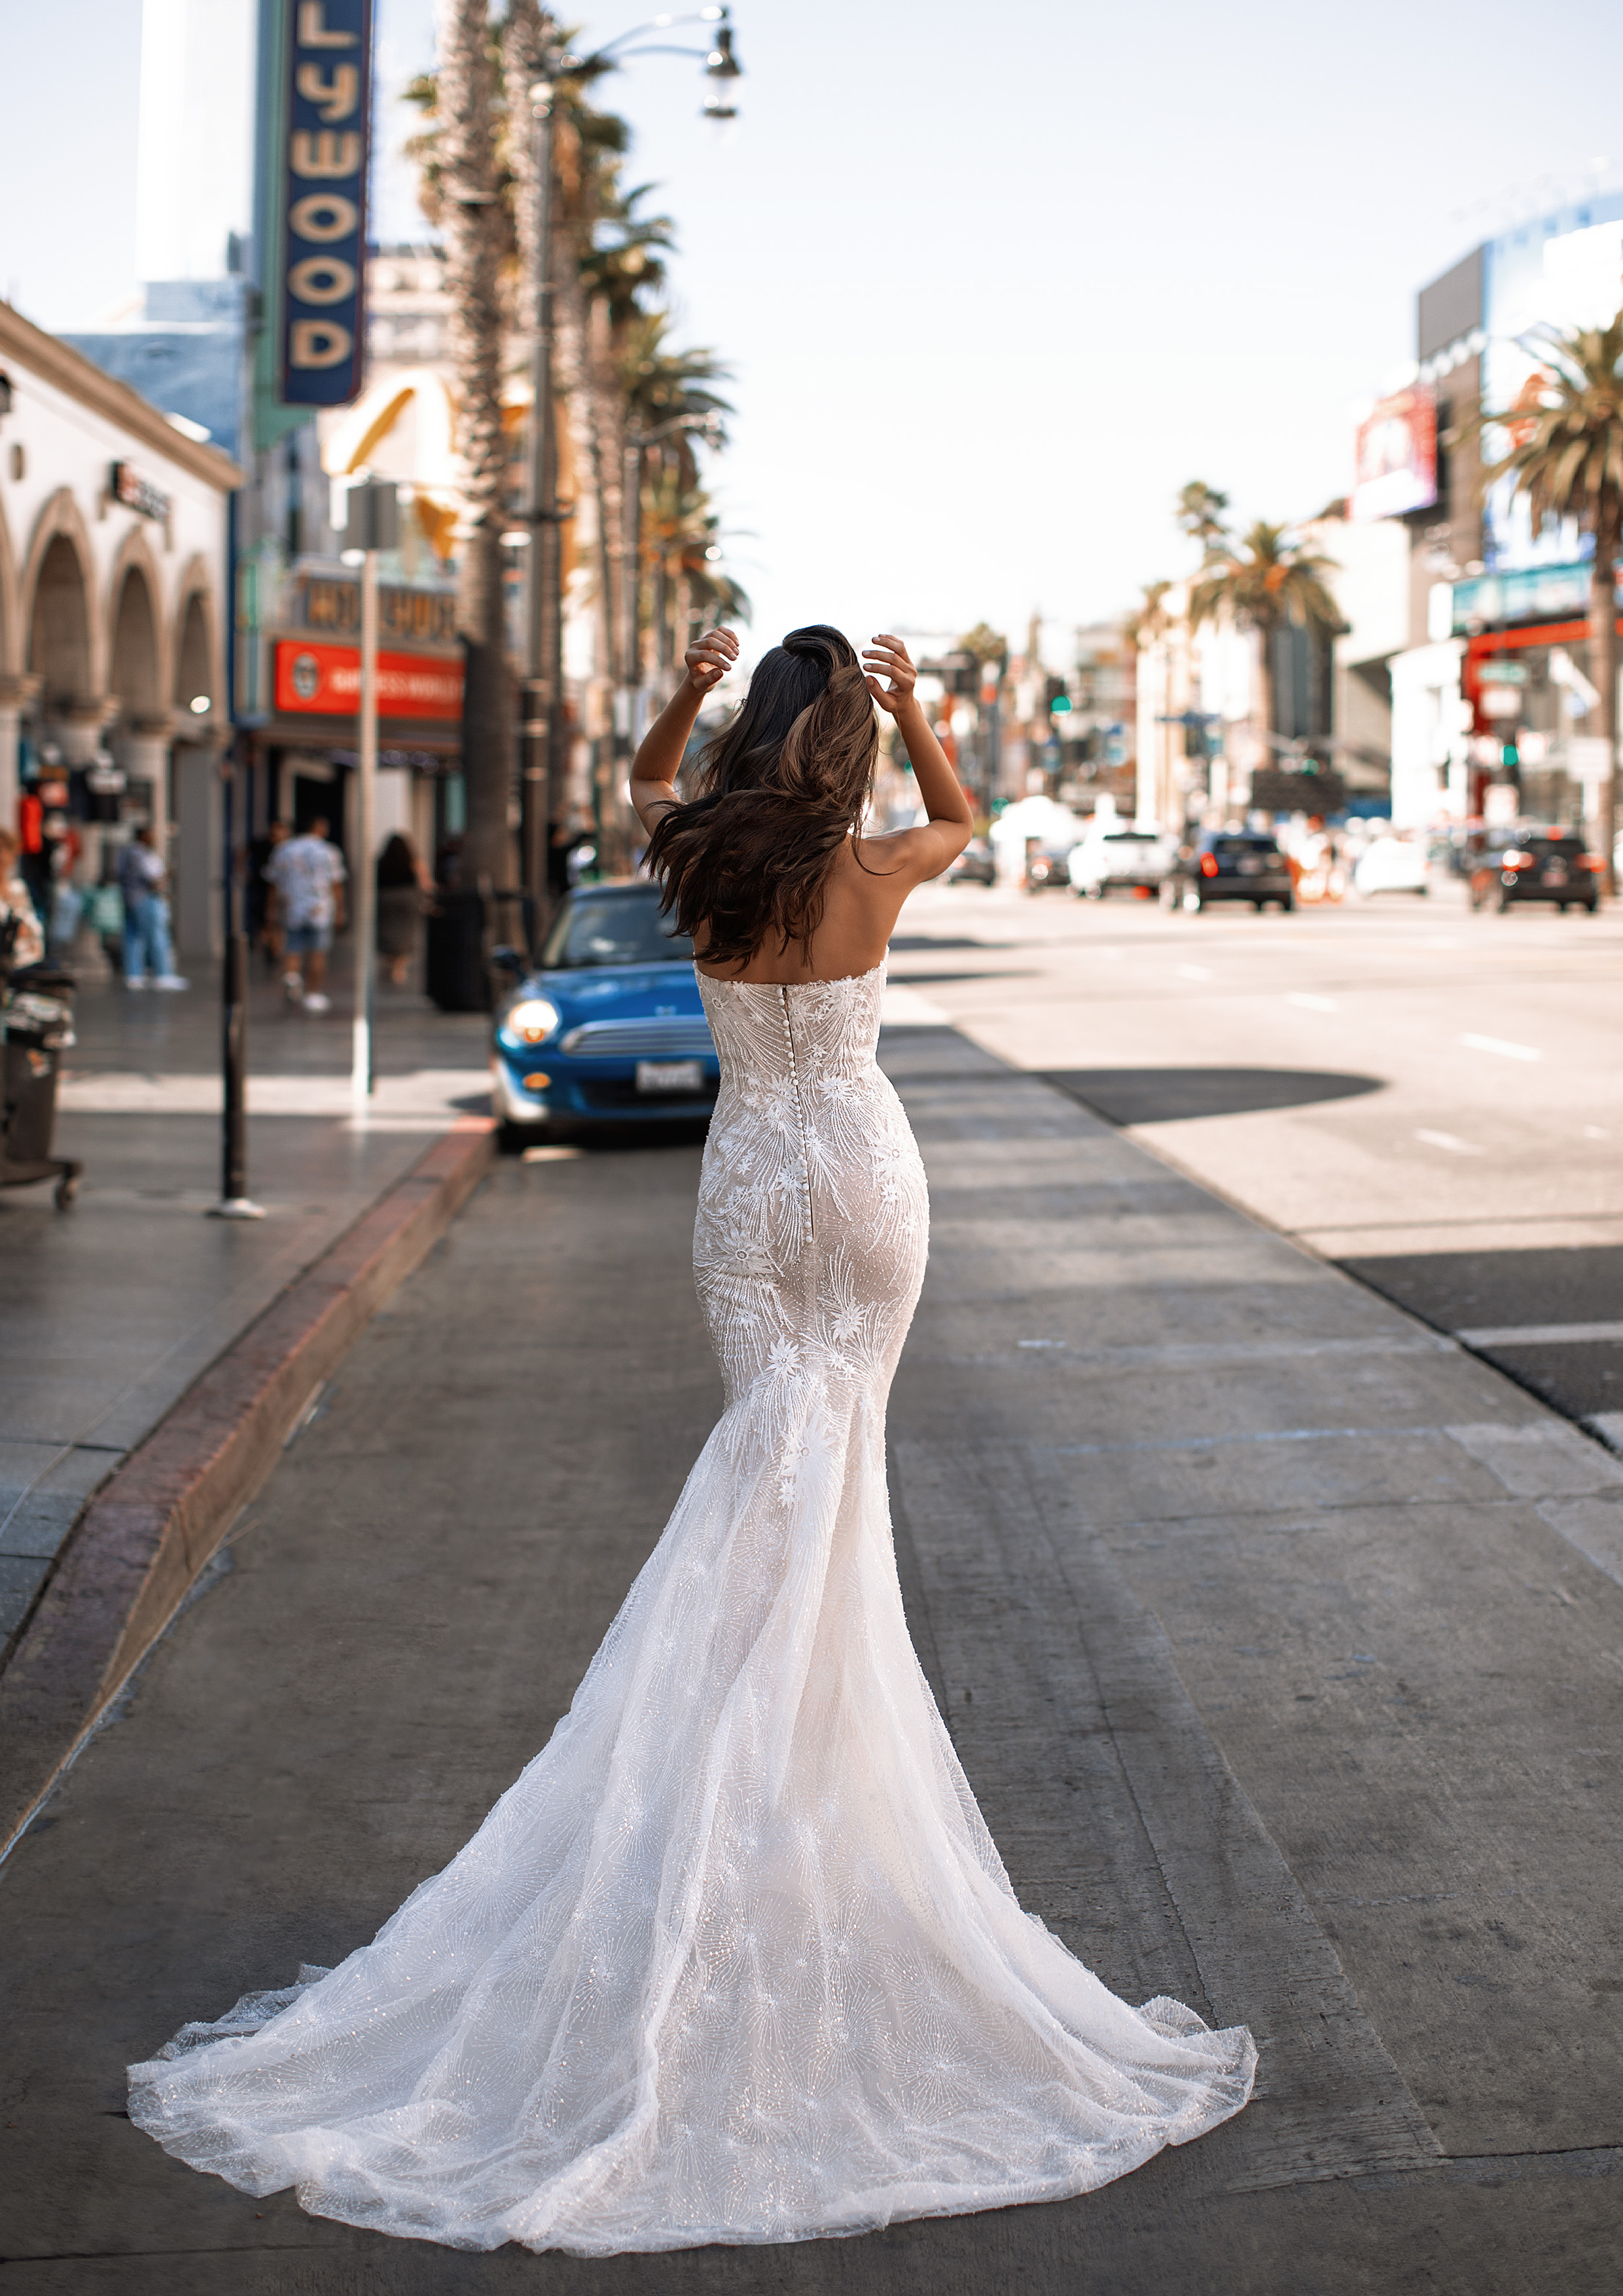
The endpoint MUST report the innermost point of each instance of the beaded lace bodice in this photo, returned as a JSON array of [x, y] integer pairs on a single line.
[[735, 1958]]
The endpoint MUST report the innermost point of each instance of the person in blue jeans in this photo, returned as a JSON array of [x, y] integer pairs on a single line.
[[146, 916]]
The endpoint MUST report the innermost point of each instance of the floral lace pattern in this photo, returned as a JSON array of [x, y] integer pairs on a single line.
[[735, 1958]]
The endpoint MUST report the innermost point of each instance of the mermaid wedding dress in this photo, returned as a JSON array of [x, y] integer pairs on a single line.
[[735, 1958]]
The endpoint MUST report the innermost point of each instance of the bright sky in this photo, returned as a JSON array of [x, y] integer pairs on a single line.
[[994, 281]]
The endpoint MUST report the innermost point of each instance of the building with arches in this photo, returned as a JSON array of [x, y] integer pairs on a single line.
[[113, 615]]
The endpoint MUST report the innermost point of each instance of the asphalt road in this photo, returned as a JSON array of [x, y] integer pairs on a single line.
[[1430, 1098], [1281, 1638]]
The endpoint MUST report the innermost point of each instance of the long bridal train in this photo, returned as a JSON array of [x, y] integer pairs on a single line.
[[735, 1958]]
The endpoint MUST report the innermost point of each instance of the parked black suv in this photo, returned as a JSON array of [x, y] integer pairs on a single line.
[[1535, 865], [1229, 865]]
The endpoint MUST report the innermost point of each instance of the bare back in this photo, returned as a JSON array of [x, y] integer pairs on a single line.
[[868, 881]]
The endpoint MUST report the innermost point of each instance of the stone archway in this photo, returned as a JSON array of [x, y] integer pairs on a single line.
[[59, 627], [17, 687], [195, 660], [136, 672], [137, 679], [63, 629]]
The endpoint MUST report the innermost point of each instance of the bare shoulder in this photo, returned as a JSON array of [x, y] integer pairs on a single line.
[[914, 855]]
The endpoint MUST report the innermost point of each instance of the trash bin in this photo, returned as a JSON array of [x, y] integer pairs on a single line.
[[454, 971], [458, 972], [37, 1014]]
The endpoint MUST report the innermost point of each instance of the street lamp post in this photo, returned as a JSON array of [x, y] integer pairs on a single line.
[[545, 732], [372, 523]]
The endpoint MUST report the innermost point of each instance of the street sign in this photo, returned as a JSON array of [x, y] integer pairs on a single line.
[[325, 681], [1275, 791], [325, 168]]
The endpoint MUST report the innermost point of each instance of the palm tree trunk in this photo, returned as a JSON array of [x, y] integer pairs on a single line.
[[472, 232], [1603, 669]]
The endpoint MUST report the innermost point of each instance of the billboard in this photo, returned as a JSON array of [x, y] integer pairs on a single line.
[[1395, 455], [325, 681], [326, 134], [1564, 271]]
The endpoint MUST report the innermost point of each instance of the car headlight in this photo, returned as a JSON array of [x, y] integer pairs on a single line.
[[531, 1020]]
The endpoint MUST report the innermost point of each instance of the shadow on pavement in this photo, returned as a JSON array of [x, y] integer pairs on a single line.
[[1173, 1095], [1510, 1290]]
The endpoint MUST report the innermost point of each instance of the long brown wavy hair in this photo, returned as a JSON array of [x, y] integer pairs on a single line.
[[747, 859]]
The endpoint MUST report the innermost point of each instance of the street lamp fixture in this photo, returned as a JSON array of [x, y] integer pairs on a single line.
[[722, 66]]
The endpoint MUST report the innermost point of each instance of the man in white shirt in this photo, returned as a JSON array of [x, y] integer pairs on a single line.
[[305, 876]]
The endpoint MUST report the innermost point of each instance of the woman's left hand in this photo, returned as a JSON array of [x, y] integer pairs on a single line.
[[709, 658], [887, 657]]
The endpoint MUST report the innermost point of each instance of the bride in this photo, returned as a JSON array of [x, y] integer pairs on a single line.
[[735, 1958]]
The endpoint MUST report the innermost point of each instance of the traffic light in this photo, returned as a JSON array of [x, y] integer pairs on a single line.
[[1059, 700]]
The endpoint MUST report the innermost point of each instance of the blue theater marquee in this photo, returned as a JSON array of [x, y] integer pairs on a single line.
[[329, 114]]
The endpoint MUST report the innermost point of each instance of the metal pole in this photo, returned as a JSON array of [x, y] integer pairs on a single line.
[[365, 878], [233, 1158], [235, 1202]]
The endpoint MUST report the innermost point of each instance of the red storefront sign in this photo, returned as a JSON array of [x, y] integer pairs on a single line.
[[325, 681]]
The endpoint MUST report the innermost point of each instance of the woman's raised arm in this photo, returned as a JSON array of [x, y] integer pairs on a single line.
[[923, 852], [659, 759]]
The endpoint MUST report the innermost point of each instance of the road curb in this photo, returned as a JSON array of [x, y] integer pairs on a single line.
[[142, 1539]]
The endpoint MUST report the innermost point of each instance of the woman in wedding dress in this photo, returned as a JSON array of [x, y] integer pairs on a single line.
[[735, 1958]]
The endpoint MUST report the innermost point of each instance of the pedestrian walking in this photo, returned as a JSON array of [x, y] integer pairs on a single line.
[[22, 941], [263, 931], [141, 881], [306, 875], [403, 887], [735, 1959]]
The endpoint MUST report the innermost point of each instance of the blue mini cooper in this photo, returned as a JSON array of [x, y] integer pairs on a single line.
[[610, 1027]]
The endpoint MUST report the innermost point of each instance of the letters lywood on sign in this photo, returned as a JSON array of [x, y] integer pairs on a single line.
[[328, 111]]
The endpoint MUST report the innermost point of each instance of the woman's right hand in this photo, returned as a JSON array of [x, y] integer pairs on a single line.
[[887, 657], [709, 658]]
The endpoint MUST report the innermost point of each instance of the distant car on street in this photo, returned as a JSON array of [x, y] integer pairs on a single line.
[[1114, 859], [1536, 864], [1391, 865], [610, 1028], [977, 864], [1046, 866], [1228, 865]]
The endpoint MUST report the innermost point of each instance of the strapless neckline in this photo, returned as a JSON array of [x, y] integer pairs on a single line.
[[834, 980]]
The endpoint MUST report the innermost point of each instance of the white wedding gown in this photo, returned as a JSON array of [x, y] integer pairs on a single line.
[[735, 1959]]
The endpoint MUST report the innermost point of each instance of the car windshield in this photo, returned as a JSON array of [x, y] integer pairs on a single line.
[[1231, 846], [613, 928]]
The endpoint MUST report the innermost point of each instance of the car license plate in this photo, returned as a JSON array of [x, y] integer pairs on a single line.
[[1555, 875], [1252, 867], [671, 1076]]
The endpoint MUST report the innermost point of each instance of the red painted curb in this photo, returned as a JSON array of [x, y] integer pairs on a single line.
[[145, 1536]]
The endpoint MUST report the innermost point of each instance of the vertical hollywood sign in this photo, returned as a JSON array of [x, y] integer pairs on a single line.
[[328, 119]]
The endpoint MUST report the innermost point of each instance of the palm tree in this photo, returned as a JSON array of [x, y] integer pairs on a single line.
[[1146, 622], [1200, 513], [464, 190], [661, 388], [1566, 455], [1265, 581], [683, 536]]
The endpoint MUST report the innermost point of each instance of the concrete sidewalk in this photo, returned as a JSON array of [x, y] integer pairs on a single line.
[[113, 1311], [1280, 1638]]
